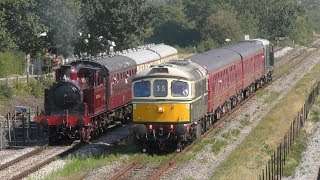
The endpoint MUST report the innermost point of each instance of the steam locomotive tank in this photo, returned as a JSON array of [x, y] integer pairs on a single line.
[[63, 96]]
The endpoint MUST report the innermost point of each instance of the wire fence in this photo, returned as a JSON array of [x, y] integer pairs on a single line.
[[274, 169]]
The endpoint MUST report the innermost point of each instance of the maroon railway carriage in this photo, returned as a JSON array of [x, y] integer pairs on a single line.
[[234, 72]]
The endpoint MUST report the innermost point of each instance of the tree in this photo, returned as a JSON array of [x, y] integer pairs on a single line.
[[222, 25], [5, 40], [23, 24], [61, 18], [125, 22], [172, 27]]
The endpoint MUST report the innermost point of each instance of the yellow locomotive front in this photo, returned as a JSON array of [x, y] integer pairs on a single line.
[[167, 102]]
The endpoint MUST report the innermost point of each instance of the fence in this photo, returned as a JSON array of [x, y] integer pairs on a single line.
[[21, 129], [275, 167], [25, 79], [3, 141]]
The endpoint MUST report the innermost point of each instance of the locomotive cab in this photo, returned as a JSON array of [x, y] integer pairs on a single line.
[[66, 72], [167, 101]]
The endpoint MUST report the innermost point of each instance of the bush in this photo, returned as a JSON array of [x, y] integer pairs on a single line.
[[206, 45], [36, 88], [12, 63], [46, 82], [6, 92]]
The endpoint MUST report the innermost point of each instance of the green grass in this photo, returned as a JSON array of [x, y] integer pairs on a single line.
[[272, 95], [218, 145], [227, 135], [77, 167], [6, 93], [235, 132], [244, 122], [201, 143], [186, 158], [261, 92], [315, 112]]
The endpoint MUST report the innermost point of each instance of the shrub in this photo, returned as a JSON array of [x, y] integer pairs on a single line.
[[12, 63], [36, 88], [6, 92], [21, 89], [206, 45]]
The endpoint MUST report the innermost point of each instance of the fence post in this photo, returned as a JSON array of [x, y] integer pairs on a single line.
[[1, 137], [266, 171], [9, 127], [292, 134], [274, 164], [285, 149], [269, 169], [278, 164]]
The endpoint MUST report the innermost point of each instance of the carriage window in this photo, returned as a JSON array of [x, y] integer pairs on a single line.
[[142, 89], [160, 88], [179, 89]]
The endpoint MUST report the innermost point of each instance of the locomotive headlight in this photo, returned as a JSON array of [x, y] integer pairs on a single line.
[[134, 106], [160, 109]]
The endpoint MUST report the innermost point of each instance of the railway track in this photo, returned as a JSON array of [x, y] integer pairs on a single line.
[[34, 160], [27, 155], [159, 171]]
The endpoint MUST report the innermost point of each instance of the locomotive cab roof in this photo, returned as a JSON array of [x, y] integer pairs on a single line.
[[184, 69]]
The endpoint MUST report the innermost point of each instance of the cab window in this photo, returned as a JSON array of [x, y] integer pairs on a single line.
[[160, 88], [141, 89], [179, 89]]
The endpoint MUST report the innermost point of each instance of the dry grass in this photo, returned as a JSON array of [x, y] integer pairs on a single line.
[[251, 156]]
